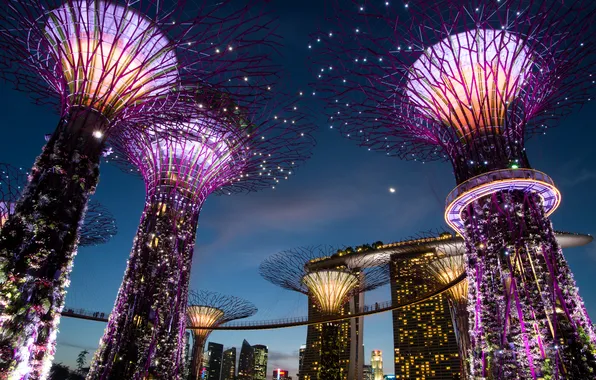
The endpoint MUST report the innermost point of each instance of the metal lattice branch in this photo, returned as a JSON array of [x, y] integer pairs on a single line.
[[229, 307], [288, 269], [422, 82], [98, 227], [224, 148], [126, 59]]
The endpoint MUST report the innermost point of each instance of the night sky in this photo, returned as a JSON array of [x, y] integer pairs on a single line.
[[339, 197]]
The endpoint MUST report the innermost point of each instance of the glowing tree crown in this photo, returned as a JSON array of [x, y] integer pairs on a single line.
[[468, 80], [304, 270], [111, 56], [463, 80], [219, 149], [330, 288], [209, 309], [446, 268], [131, 60], [204, 316]]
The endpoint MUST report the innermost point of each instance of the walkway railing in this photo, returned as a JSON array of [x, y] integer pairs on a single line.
[[379, 307]]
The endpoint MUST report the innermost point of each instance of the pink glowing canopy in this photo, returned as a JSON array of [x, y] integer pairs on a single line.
[[467, 80], [111, 56], [190, 159]]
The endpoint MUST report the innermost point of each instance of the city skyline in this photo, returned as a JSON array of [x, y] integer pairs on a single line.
[[342, 200]]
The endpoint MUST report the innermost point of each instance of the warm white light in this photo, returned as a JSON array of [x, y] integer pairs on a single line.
[[204, 316], [392, 190], [203, 157], [446, 270], [6, 210], [97, 134], [111, 56], [330, 288], [468, 80]]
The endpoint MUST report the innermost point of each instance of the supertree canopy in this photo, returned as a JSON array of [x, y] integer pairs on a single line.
[[329, 287], [99, 224], [469, 81], [209, 309], [110, 66], [223, 148], [444, 265]]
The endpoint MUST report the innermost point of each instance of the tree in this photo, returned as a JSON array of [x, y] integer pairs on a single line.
[[81, 360], [59, 372]]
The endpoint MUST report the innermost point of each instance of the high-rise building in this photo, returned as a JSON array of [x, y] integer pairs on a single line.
[[245, 363], [228, 364], [367, 373], [214, 357], [350, 343], [301, 360], [253, 362], [203, 372], [424, 340], [260, 355], [376, 362], [281, 374], [187, 354]]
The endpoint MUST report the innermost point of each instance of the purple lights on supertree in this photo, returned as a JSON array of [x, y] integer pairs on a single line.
[[209, 309], [99, 225], [111, 57], [110, 66], [222, 149], [470, 81]]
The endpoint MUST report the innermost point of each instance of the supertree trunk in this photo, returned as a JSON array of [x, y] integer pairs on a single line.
[[527, 319], [145, 332], [330, 351], [39, 242], [459, 314], [197, 358]]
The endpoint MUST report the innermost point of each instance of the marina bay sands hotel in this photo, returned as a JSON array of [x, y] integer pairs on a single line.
[[425, 345]]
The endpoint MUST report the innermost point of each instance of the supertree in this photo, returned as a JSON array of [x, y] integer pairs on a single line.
[[224, 148], [469, 81], [98, 227], [443, 266], [210, 309], [109, 66], [329, 288]]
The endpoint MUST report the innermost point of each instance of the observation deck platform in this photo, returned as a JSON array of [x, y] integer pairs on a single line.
[[528, 180]]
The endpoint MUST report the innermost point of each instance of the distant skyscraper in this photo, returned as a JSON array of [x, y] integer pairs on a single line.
[[376, 362], [423, 336], [301, 361], [367, 373], [351, 349], [260, 355], [187, 353], [281, 374], [203, 373], [228, 364], [245, 363], [215, 356]]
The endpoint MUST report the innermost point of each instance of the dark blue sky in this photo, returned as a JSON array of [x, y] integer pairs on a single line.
[[339, 197]]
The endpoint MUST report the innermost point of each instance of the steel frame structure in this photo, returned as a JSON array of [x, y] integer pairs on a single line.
[[223, 148], [469, 81], [108, 66], [208, 310], [303, 270]]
